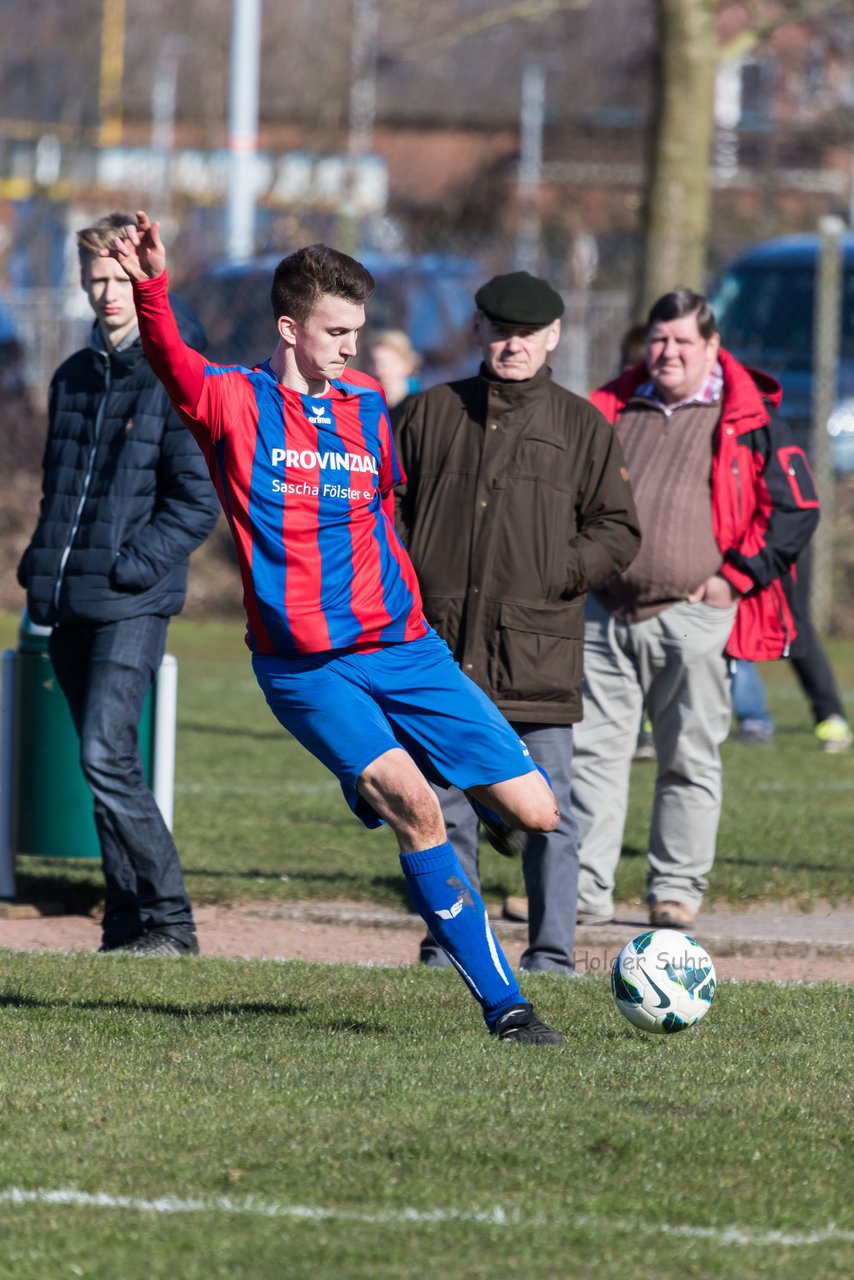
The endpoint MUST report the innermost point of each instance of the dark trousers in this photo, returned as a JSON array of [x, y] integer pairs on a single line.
[[810, 660], [549, 864], [105, 671]]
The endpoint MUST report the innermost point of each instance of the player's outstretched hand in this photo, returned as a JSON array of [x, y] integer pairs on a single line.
[[139, 250]]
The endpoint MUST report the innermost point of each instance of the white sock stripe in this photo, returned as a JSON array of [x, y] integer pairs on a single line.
[[256, 1206], [493, 949], [465, 977]]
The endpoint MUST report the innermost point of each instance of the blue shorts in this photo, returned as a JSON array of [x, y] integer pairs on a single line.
[[348, 709]]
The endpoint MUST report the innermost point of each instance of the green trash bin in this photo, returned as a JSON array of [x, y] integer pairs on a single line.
[[52, 811]]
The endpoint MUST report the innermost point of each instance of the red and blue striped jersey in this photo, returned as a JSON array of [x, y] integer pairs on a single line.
[[302, 480]]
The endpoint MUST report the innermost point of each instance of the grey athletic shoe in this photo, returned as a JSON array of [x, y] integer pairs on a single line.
[[520, 1025]]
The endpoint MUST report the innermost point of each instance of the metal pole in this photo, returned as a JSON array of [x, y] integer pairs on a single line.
[[362, 110], [826, 337], [530, 167], [7, 856], [163, 94], [243, 128], [165, 719]]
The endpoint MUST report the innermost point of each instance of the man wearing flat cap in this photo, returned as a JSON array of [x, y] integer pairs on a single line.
[[517, 499]]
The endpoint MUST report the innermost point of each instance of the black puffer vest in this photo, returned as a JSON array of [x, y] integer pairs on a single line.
[[126, 495]]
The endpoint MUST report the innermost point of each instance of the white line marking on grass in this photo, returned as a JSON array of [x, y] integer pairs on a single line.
[[252, 1206]]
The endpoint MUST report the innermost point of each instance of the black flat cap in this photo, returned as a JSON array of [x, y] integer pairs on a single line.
[[519, 299]]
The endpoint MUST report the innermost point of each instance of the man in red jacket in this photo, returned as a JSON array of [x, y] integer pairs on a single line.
[[725, 502]]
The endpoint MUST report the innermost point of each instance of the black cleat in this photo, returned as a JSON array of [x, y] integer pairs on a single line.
[[157, 942], [508, 841], [520, 1025], [110, 944]]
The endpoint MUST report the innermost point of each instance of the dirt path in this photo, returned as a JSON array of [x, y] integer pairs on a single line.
[[767, 943]]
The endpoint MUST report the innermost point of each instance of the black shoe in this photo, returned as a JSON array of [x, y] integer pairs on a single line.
[[520, 1025], [508, 841], [159, 942], [108, 944]]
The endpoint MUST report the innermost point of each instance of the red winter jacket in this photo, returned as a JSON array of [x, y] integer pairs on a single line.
[[764, 502]]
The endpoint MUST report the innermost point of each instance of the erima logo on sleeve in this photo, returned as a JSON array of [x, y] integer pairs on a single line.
[[329, 460]]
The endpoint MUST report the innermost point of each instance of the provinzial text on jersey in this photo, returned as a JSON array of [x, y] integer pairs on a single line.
[[310, 460]]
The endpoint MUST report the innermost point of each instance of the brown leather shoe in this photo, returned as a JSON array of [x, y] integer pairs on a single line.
[[516, 909], [671, 915]]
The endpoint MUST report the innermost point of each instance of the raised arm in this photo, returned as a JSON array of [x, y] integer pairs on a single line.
[[142, 255], [139, 250]]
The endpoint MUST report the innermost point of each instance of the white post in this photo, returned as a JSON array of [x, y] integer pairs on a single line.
[[243, 128], [165, 719], [532, 116], [7, 698]]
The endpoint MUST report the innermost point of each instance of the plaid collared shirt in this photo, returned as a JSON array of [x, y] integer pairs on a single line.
[[709, 393]]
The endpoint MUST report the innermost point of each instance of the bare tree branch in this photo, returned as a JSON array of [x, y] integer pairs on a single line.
[[519, 11], [760, 30]]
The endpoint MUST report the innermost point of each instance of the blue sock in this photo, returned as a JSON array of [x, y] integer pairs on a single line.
[[456, 917], [489, 816]]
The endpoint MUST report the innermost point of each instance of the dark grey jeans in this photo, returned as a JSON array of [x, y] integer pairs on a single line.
[[549, 864], [105, 671]]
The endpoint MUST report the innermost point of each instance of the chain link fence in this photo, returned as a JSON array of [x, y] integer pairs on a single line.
[[50, 326]]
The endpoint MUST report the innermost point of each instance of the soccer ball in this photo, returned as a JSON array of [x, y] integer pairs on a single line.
[[663, 981]]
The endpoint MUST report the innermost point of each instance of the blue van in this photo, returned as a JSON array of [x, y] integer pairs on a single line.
[[764, 305], [429, 296]]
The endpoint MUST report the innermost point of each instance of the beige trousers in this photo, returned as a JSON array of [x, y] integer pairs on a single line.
[[674, 666]]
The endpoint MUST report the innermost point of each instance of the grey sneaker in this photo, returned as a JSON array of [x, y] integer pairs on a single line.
[[592, 917], [520, 1025], [645, 745], [755, 733], [834, 734], [157, 942]]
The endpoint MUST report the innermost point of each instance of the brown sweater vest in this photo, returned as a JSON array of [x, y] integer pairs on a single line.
[[669, 462]]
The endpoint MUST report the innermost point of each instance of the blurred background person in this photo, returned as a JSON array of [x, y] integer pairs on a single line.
[[633, 347], [125, 499], [394, 363], [633, 354], [516, 500], [726, 502], [814, 673]]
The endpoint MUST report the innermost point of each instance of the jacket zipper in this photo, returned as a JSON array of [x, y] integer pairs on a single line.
[[87, 480], [781, 614], [737, 475]]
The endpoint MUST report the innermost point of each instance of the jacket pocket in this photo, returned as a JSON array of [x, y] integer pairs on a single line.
[[538, 654], [797, 470]]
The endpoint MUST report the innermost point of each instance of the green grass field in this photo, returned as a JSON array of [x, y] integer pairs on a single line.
[[208, 1118], [214, 1118], [257, 817]]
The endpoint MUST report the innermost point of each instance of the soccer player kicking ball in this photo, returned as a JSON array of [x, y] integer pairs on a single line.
[[300, 451]]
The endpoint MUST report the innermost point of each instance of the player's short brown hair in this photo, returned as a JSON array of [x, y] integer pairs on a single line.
[[303, 277]]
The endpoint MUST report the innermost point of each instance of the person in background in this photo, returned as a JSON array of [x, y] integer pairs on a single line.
[[814, 674], [301, 451], [726, 503], [633, 347], [125, 499], [632, 355], [394, 363], [517, 499]]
